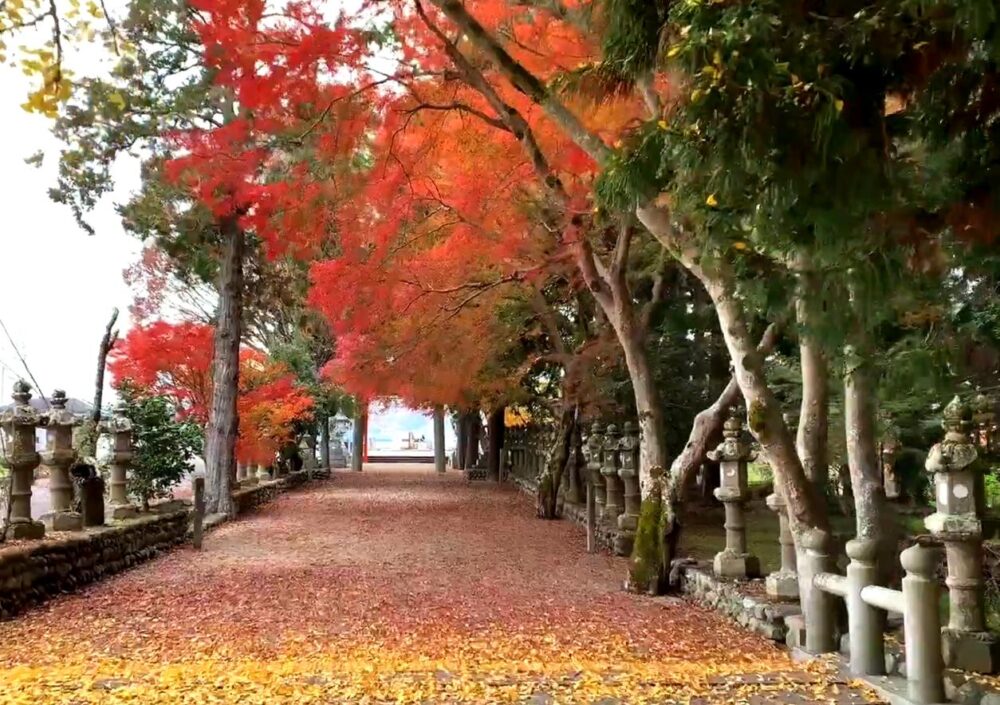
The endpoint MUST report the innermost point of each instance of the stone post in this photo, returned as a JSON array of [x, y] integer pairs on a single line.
[[119, 427], [251, 478], [957, 522], [734, 561], [263, 473], [818, 607], [20, 456], [614, 492], [784, 583], [921, 624], [57, 458], [241, 473], [593, 448], [198, 520], [628, 522], [865, 623]]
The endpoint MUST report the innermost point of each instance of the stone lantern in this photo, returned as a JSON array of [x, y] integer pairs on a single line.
[[887, 455], [19, 425], [734, 561], [119, 427], [983, 422], [58, 457], [957, 522], [614, 492], [592, 452], [628, 521]]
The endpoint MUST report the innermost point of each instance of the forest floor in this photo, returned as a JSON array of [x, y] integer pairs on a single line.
[[395, 585]]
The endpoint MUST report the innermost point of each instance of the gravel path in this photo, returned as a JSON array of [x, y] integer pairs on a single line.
[[392, 585]]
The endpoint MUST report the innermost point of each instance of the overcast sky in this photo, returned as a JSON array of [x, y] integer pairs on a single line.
[[57, 284]]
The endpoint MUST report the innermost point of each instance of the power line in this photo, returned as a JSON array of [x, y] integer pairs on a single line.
[[23, 362]]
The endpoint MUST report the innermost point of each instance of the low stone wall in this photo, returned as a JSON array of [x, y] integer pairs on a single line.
[[249, 499], [745, 602], [33, 572], [604, 534]]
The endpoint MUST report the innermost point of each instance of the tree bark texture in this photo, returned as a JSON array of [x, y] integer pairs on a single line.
[[495, 434], [439, 460], [324, 442], [223, 419], [107, 342], [473, 433], [811, 441], [462, 433], [358, 436]]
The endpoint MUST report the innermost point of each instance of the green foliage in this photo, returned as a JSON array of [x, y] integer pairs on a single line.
[[632, 35], [164, 447]]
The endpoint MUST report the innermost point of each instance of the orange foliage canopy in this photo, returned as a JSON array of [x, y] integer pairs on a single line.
[[175, 360], [439, 221]]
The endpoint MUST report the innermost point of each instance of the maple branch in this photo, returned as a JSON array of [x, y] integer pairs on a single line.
[[462, 107], [623, 245], [594, 273], [547, 316], [507, 113], [525, 81]]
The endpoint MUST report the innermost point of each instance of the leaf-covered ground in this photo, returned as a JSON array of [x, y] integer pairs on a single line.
[[395, 585]]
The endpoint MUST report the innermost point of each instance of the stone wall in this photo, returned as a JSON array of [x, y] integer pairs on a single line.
[[605, 534], [744, 602], [248, 499], [33, 572]]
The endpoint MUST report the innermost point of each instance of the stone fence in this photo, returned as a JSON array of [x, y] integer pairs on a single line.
[[610, 467], [80, 548], [817, 624]]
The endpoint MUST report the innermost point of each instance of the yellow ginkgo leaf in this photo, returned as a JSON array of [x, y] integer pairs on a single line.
[[712, 200]]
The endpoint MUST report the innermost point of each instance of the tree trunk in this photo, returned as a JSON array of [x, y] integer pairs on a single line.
[[495, 430], [473, 428], [324, 442], [439, 460], [462, 434], [358, 436], [870, 508], [652, 451], [811, 441], [550, 480], [805, 507], [107, 342], [223, 420]]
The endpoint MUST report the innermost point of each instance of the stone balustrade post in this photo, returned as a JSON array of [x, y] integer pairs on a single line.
[[957, 521], [58, 457], [628, 521], [21, 458], [866, 623], [119, 427], [783, 584], [922, 625], [614, 500], [818, 607], [733, 454]]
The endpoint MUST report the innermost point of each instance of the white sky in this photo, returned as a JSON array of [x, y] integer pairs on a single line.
[[57, 284]]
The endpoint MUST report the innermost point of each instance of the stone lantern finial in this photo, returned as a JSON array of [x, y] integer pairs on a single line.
[[22, 392], [953, 420], [58, 400]]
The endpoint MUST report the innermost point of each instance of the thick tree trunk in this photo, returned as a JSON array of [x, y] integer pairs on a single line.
[[358, 436], [495, 431], [552, 475], [473, 428], [805, 507], [223, 420], [652, 451], [811, 441], [462, 434], [871, 516], [439, 460], [324, 442]]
